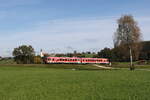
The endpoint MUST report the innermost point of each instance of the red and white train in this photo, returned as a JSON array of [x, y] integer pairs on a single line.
[[76, 60]]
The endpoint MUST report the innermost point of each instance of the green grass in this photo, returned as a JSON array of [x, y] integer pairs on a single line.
[[47, 83], [127, 65], [7, 61], [55, 66]]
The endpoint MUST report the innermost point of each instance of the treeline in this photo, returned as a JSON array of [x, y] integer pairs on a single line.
[[87, 54], [119, 54]]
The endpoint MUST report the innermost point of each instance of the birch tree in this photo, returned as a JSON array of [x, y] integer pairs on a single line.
[[128, 37]]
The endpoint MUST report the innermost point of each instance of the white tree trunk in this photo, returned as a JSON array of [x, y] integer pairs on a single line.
[[131, 59]]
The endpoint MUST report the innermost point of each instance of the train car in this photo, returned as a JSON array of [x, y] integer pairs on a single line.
[[76, 60], [103, 61], [63, 60], [95, 60]]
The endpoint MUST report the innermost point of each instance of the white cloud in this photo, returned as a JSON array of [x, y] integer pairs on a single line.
[[79, 34]]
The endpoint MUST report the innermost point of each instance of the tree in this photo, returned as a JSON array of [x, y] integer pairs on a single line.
[[24, 54], [145, 51], [128, 37], [105, 53]]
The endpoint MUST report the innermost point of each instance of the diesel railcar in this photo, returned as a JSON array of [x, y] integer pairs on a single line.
[[76, 60]]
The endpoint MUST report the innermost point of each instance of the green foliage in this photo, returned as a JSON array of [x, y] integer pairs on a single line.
[[24, 54], [76, 54], [105, 53], [28, 83]]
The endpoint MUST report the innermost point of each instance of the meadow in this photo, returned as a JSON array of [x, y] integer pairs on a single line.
[[49, 83]]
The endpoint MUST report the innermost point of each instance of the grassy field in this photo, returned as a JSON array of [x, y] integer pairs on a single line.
[[7, 61], [47, 83], [127, 65]]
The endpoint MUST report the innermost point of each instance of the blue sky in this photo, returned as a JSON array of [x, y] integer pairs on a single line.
[[66, 25]]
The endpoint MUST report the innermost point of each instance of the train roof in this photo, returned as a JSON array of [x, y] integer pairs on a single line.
[[74, 58]]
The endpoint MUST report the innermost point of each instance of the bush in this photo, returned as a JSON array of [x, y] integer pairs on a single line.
[[37, 60]]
